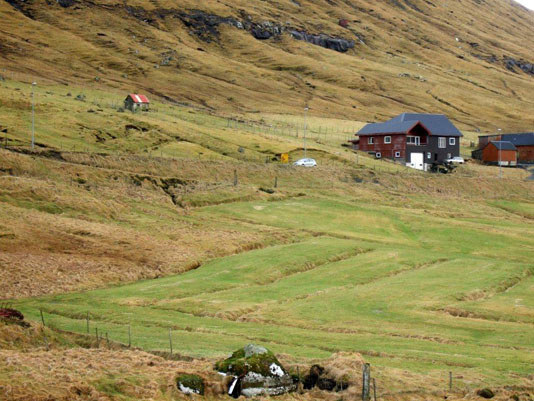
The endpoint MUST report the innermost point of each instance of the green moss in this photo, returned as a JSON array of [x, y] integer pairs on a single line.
[[239, 364], [194, 382]]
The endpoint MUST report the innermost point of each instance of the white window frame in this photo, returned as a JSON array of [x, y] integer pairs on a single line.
[[442, 142], [429, 155], [371, 140], [397, 154], [416, 142], [387, 139], [378, 155], [452, 141]]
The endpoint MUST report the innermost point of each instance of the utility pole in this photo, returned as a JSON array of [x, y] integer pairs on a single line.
[[33, 116], [500, 153], [305, 130]]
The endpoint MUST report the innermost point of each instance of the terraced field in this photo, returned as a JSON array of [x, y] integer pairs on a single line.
[[408, 286]]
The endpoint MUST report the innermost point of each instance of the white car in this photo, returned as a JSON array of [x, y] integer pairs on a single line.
[[456, 160], [305, 163]]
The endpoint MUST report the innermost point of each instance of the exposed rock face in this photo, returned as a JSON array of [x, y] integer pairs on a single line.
[[337, 44], [205, 26], [258, 370], [526, 66]]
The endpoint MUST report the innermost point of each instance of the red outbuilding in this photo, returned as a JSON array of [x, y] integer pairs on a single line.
[[136, 101], [502, 153]]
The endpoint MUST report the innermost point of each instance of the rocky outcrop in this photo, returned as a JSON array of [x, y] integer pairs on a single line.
[[205, 26], [525, 66], [256, 372], [328, 42]]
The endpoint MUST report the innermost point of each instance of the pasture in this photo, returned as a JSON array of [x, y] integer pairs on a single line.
[[426, 288]]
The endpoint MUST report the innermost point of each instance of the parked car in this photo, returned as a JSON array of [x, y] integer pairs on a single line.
[[306, 163], [456, 160]]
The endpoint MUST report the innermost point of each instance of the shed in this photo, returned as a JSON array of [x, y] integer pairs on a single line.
[[499, 152], [135, 101]]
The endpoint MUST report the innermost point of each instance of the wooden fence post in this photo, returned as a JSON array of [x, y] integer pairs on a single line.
[[276, 182], [374, 388], [170, 339], [450, 381], [129, 335], [235, 178], [365, 383], [42, 317], [87, 319]]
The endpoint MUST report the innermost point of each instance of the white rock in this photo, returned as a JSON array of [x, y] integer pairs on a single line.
[[276, 370]]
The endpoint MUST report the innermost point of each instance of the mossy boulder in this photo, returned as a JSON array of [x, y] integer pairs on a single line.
[[190, 384], [251, 358], [259, 370]]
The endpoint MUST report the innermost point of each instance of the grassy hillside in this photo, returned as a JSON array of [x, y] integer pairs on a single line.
[[417, 56], [400, 266], [182, 218]]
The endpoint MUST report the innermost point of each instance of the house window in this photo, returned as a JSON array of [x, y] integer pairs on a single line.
[[397, 154], [429, 155], [442, 142], [387, 139], [452, 141], [378, 155], [413, 140], [371, 140]]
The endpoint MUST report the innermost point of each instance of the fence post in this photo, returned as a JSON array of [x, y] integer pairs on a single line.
[[450, 381], [374, 388], [276, 182], [365, 383], [96, 335], [235, 178], [87, 319], [129, 335], [170, 339], [42, 317]]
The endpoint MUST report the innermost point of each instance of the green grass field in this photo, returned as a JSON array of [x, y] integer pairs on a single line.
[[420, 289]]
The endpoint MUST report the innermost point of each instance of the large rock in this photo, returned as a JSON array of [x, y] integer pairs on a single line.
[[259, 371]]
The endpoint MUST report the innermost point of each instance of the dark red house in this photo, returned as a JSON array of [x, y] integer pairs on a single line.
[[524, 142], [419, 140]]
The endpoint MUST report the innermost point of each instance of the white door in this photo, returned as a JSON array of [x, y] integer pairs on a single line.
[[417, 161]]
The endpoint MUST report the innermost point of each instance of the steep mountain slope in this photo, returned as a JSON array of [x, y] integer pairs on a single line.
[[469, 59]]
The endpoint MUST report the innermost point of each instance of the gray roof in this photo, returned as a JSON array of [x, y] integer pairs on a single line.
[[387, 128], [437, 124], [525, 139], [503, 145]]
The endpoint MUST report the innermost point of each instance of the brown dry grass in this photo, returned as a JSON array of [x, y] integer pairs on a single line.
[[237, 74], [68, 372]]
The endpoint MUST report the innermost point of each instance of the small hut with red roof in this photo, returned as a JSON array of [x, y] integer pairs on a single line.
[[133, 102]]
